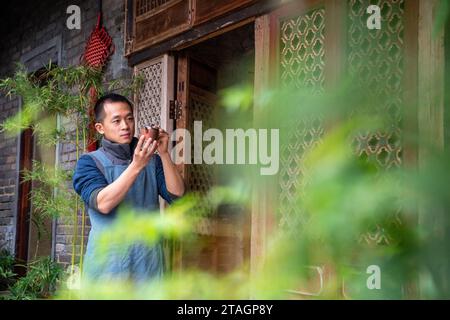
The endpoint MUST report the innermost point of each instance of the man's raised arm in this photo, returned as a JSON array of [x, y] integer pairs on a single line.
[[109, 197]]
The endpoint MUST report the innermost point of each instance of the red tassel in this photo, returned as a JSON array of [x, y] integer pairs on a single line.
[[99, 48]]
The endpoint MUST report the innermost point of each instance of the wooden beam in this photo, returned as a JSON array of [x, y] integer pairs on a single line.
[[201, 32]]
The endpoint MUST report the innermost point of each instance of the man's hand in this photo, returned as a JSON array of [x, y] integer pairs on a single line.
[[143, 152], [109, 197], [174, 181], [163, 141]]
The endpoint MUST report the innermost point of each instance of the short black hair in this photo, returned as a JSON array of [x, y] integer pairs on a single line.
[[99, 110]]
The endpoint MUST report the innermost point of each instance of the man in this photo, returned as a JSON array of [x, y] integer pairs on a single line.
[[124, 170]]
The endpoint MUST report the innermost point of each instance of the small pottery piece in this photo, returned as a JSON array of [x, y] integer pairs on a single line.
[[150, 132]]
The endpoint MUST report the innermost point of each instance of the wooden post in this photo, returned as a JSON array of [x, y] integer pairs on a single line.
[[261, 79], [430, 81], [430, 105], [262, 216]]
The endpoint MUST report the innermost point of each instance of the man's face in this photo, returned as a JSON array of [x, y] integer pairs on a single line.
[[118, 123]]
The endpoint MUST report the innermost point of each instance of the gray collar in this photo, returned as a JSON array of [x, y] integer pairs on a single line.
[[120, 151]]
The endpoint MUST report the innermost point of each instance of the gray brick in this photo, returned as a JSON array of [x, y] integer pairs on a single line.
[[5, 205], [6, 221], [6, 213], [4, 198]]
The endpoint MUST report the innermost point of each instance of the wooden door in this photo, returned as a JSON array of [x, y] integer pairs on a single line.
[[152, 102], [216, 244], [152, 107], [40, 239], [297, 45], [312, 45], [34, 232], [196, 98], [24, 203]]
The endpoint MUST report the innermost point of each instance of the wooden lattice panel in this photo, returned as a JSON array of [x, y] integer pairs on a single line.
[[302, 50], [144, 6], [377, 57], [201, 176], [302, 65], [150, 95], [209, 9]]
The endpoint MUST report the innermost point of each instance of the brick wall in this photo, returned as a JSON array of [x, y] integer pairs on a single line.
[[8, 151], [113, 18], [25, 26]]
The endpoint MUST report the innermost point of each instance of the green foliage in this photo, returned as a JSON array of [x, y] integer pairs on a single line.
[[344, 197], [40, 282], [237, 98], [442, 17], [62, 91], [57, 90], [53, 91], [6, 269], [50, 180], [177, 222], [127, 88]]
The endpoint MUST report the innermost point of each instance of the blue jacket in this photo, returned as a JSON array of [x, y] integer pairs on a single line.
[[96, 170]]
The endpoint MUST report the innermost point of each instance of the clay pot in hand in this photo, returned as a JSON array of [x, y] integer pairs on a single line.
[[150, 132]]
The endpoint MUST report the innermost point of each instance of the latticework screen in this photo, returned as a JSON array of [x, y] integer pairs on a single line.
[[302, 65], [144, 6], [201, 176], [377, 57], [150, 95], [374, 57], [302, 50]]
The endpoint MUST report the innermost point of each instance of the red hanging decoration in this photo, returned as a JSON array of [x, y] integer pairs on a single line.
[[99, 48]]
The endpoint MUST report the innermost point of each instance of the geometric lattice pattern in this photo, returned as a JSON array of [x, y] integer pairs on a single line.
[[201, 176], [293, 177], [377, 57], [144, 6], [149, 100], [302, 66], [302, 51]]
